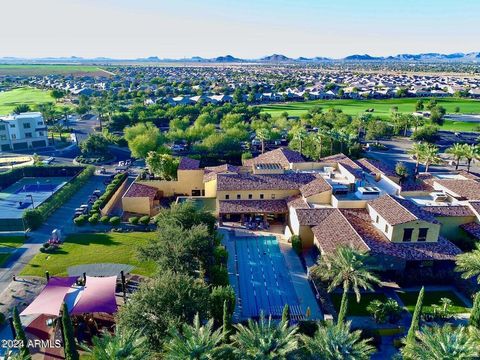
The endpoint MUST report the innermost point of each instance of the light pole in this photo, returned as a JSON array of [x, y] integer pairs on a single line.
[[31, 198]]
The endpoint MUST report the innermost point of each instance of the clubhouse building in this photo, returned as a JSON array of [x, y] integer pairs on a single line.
[[331, 202]]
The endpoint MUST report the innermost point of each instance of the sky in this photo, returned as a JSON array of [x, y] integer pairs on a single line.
[[127, 29]]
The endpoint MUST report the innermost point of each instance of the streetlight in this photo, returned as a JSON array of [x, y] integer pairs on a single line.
[[31, 197]]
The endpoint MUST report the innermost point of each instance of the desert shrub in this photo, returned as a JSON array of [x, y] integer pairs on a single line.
[[296, 243], [133, 220], [219, 275], [80, 220], [144, 220], [94, 218], [115, 220], [105, 219]]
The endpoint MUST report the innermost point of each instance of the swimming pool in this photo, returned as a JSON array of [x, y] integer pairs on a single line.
[[264, 281]]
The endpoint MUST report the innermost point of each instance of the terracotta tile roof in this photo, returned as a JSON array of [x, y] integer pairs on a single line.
[[424, 182], [297, 202], [334, 230], [475, 205], [316, 186], [311, 217], [391, 210], [282, 156], [346, 162], [375, 166], [212, 171], [379, 244], [188, 164], [252, 206], [292, 181], [473, 229], [468, 189], [454, 210], [469, 175], [141, 190], [416, 210]]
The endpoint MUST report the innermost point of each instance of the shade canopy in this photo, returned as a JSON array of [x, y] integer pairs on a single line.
[[49, 301], [98, 295]]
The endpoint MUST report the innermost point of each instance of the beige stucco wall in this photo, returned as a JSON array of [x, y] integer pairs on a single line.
[[321, 198], [348, 204], [268, 194], [187, 180], [211, 188], [137, 205], [450, 226]]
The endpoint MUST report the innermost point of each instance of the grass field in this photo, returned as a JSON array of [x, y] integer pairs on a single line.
[[382, 108], [45, 69], [409, 298], [82, 249], [11, 241], [24, 95], [3, 258], [357, 308]]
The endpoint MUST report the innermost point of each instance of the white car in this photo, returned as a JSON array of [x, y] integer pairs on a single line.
[[49, 160]]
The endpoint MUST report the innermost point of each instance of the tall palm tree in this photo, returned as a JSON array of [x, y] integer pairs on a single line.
[[458, 152], [417, 150], [299, 135], [194, 342], [337, 342], [471, 152], [265, 339], [469, 264], [128, 345], [348, 268], [443, 343], [319, 140], [263, 134], [429, 156]]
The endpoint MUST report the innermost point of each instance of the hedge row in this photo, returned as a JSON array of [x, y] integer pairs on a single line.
[[35, 217], [109, 191]]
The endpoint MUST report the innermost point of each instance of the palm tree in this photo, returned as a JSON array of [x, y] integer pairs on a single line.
[[263, 134], [443, 343], [458, 152], [123, 345], [469, 264], [265, 339], [299, 135], [417, 150], [195, 342], [58, 128], [318, 139], [348, 268], [471, 152], [337, 342], [430, 156]]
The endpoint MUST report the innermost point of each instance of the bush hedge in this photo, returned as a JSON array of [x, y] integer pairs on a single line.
[[219, 275], [94, 218], [105, 219], [296, 243], [80, 220], [133, 220], [110, 190], [33, 218], [144, 220], [115, 220]]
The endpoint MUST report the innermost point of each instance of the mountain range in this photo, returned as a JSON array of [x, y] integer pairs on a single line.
[[274, 58]]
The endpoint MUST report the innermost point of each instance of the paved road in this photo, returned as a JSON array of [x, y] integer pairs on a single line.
[[61, 219]]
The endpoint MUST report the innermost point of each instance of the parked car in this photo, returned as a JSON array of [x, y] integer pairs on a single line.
[[48, 160]]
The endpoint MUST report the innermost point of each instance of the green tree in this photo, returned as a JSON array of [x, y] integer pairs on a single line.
[[471, 152], [385, 310], [419, 105], [20, 334], [469, 264], [143, 138], [446, 343], [264, 339], [22, 108], [414, 326], [57, 94], [417, 151], [127, 345], [348, 268], [70, 345], [475, 313], [299, 134], [226, 323], [263, 135], [163, 165], [458, 152], [219, 296], [337, 342], [429, 156], [401, 170], [94, 144]]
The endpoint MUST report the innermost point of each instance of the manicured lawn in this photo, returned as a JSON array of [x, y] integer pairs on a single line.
[[382, 108], [79, 249], [25, 95], [357, 308], [39, 69], [3, 258], [11, 241], [409, 298]]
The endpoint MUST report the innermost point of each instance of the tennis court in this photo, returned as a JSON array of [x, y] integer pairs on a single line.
[[16, 198], [264, 281]]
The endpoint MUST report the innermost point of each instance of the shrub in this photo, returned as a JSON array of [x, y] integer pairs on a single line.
[[33, 218], [144, 220], [219, 275], [218, 296], [220, 254], [80, 220], [105, 219], [115, 220], [133, 220], [296, 243], [428, 133], [94, 218], [385, 311]]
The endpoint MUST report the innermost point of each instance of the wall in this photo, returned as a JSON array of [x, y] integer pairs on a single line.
[[348, 204], [278, 194], [305, 232], [137, 205], [115, 197], [322, 198], [450, 226], [187, 180], [211, 188]]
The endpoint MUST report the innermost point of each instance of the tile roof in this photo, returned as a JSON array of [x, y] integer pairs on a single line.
[[472, 228], [375, 166], [391, 210], [379, 244], [454, 210], [141, 190], [311, 217], [334, 231], [282, 156], [188, 164], [468, 189], [345, 161], [297, 202], [469, 175], [475, 205], [252, 206], [424, 182], [292, 181], [316, 186], [212, 171]]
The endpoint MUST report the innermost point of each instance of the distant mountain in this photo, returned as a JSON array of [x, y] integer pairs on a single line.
[[357, 57], [227, 58], [276, 58]]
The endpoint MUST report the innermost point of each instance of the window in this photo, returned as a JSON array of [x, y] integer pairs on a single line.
[[261, 196], [26, 125], [14, 136], [3, 137], [273, 196], [2, 128], [386, 228], [40, 133], [28, 135], [250, 196], [239, 196], [12, 125], [227, 197], [422, 234], [40, 123], [407, 235], [377, 220]]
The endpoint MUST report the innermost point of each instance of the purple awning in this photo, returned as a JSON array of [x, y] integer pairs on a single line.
[[98, 295], [49, 301]]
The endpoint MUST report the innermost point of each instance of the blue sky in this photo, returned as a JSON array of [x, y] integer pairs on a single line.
[[243, 28]]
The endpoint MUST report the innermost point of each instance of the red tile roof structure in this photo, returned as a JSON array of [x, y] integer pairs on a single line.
[[252, 206]]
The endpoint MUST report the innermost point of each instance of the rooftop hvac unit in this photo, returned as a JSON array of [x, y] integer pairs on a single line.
[[439, 196]]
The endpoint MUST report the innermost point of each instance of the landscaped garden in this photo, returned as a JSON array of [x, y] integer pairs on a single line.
[[409, 298], [80, 249], [357, 308]]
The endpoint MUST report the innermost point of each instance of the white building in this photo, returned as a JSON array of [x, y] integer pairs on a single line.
[[23, 131]]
